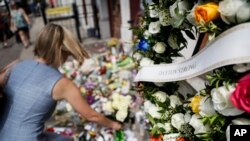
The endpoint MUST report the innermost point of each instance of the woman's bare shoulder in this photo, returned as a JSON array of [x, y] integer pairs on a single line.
[[62, 88]]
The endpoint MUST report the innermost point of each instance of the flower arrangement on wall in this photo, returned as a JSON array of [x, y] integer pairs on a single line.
[[207, 114]]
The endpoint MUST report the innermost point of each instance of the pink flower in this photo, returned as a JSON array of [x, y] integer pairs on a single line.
[[241, 96]]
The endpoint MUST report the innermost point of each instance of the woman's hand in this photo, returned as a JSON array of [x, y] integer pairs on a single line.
[[116, 125]]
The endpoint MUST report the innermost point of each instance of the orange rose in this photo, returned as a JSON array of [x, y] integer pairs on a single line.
[[207, 12]]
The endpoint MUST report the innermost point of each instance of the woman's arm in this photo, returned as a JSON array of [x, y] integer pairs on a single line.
[[3, 71], [25, 16], [65, 89], [4, 77]]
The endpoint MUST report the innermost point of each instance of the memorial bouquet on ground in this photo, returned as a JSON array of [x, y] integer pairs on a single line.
[[106, 83], [165, 29]]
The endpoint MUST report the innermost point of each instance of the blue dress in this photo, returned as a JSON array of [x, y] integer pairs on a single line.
[[29, 102]]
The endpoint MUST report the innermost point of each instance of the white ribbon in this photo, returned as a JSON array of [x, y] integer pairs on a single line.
[[230, 47]]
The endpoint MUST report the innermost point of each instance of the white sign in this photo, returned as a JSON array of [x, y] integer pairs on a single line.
[[230, 47]]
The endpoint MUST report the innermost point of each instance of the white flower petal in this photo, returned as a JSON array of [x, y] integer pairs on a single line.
[[222, 103], [160, 96], [177, 120], [154, 27], [206, 107]]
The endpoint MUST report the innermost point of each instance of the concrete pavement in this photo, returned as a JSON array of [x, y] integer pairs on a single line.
[[16, 50]]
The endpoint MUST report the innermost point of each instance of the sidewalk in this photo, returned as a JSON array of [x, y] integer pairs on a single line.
[[37, 25], [16, 50]]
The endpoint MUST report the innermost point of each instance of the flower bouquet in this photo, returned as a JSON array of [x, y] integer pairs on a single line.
[[207, 114], [106, 83]]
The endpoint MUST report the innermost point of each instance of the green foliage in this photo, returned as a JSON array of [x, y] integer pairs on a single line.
[[223, 76], [187, 131], [216, 123]]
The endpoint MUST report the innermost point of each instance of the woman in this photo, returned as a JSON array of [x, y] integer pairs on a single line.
[[34, 86], [20, 22]]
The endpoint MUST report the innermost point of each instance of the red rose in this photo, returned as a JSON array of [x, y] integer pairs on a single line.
[[181, 139], [156, 138], [241, 96]]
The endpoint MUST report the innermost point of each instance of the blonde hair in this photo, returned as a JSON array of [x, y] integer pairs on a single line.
[[54, 41]]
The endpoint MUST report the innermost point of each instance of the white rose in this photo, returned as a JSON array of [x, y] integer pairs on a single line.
[[171, 137], [107, 107], [123, 105], [116, 104], [238, 121], [154, 27], [222, 103], [146, 62], [206, 107], [243, 13], [197, 124], [152, 109], [229, 8], [154, 112], [153, 11], [166, 126], [174, 101], [146, 34], [159, 47], [177, 120], [241, 67], [182, 7], [160, 96], [115, 97], [137, 56], [121, 115]]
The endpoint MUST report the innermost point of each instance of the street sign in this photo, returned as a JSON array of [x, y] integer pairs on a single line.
[[58, 10]]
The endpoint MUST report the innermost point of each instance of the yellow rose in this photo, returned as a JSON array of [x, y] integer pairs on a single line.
[[207, 12], [195, 103]]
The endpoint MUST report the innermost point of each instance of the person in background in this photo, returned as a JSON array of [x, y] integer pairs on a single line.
[[32, 88], [21, 23], [4, 27]]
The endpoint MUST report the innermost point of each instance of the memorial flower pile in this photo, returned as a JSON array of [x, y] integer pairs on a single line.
[[164, 31], [106, 82]]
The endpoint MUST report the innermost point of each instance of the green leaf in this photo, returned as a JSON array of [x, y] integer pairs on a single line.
[[205, 120], [154, 130], [189, 34], [151, 119], [217, 83], [162, 130], [209, 77], [213, 119], [212, 81]]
